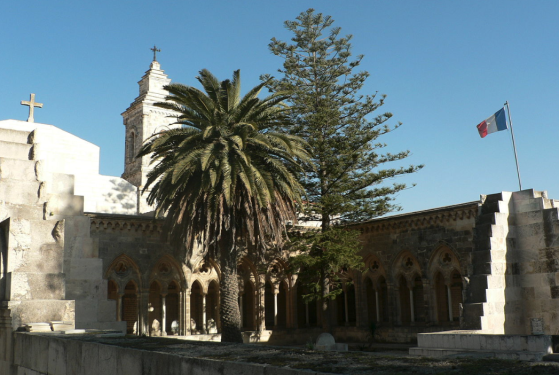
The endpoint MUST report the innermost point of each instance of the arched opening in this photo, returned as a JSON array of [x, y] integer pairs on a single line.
[[405, 307], [130, 307], [154, 309], [456, 294], [196, 308], [212, 304], [282, 305], [346, 306], [172, 309], [372, 297], [418, 301], [441, 295], [248, 307], [383, 299], [306, 311], [112, 290], [351, 304], [269, 310]]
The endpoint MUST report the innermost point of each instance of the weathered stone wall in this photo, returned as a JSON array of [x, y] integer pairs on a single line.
[[55, 355], [408, 252]]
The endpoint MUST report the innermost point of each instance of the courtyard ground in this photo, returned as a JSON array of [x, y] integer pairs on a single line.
[[388, 360]]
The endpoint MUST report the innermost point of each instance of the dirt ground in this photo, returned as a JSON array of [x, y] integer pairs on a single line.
[[379, 361]]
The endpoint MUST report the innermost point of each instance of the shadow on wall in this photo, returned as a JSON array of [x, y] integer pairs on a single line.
[[121, 196]]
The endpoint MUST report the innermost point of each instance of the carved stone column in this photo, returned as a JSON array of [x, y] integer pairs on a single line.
[[241, 308], [204, 316], [276, 292], [119, 307], [163, 315], [143, 316]]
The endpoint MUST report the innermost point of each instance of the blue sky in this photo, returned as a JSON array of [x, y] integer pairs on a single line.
[[445, 66]]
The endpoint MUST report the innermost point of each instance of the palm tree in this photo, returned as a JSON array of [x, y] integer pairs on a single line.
[[225, 180]]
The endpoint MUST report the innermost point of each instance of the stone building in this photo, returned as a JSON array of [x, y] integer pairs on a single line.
[[79, 249]]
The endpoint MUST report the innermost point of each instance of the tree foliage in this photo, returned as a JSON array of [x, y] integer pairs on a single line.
[[336, 119], [325, 255], [348, 181], [225, 180]]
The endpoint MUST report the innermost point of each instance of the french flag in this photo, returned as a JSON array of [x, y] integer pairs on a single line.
[[493, 124]]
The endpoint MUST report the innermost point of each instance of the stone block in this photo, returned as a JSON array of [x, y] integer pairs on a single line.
[[26, 371], [43, 231], [154, 363], [14, 169], [41, 311], [59, 206], [14, 136], [19, 192], [15, 150], [57, 357], [86, 289], [48, 258], [107, 359], [90, 358], [62, 184], [86, 269], [499, 231], [32, 351], [28, 286], [106, 310], [86, 311], [74, 357], [129, 362], [495, 281]]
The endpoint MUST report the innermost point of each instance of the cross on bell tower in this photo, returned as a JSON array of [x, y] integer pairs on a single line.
[[155, 50]]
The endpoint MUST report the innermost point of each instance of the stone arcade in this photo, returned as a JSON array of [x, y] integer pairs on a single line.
[[79, 249]]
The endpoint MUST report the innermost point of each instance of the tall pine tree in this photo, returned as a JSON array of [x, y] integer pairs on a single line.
[[336, 119]]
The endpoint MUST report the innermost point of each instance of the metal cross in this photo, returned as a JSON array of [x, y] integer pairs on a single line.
[[31, 103], [155, 50]]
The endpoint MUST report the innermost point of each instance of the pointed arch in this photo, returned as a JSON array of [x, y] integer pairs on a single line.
[[122, 270], [166, 270], [447, 284]]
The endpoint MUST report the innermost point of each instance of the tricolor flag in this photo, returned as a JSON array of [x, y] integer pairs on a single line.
[[493, 124]]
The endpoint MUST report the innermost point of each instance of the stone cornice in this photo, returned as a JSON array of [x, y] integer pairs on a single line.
[[419, 219], [128, 223]]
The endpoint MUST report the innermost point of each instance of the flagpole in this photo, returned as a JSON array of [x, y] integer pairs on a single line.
[[513, 145]]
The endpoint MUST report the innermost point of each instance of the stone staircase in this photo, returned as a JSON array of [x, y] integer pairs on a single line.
[[493, 298], [49, 272], [479, 345], [508, 299]]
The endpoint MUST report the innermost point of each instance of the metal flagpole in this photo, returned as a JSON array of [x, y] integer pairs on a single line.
[[513, 145]]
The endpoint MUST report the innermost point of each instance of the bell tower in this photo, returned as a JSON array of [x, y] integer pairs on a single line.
[[142, 119]]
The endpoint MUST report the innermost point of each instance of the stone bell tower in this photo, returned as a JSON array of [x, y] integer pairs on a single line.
[[142, 119]]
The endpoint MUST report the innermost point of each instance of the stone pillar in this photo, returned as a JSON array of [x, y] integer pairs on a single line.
[[346, 310], [241, 308], [187, 327], [449, 294], [143, 319], [276, 307], [181, 313], [119, 307], [163, 315], [377, 305], [411, 306], [204, 316]]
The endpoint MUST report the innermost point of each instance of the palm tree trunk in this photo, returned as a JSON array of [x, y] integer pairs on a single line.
[[229, 294]]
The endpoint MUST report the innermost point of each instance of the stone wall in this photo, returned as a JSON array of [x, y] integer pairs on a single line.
[[55, 355]]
